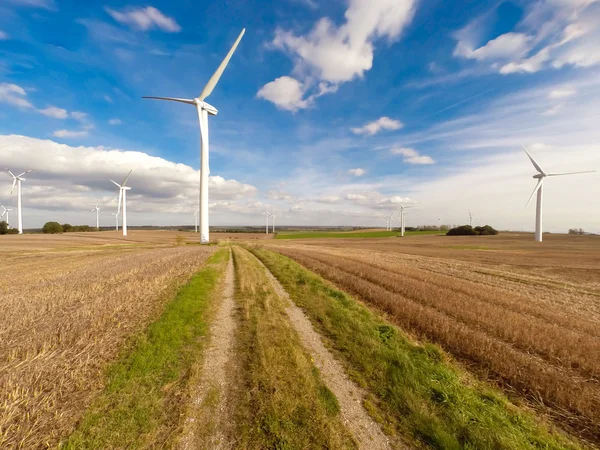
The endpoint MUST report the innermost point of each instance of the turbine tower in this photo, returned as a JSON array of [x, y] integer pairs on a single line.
[[471, 217], [196, 211], [267, 213], [540, 176], [123, 197], [97, 209], [273, 223], [116, 220], [17, 181], [6, 211], [402, 219], [204, 109]]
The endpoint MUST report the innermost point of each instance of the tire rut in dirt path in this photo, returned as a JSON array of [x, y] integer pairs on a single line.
[[207, 425], [366, 431]]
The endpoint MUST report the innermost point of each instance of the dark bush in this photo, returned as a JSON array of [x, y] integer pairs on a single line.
[[52, 228], [67, 227], [468, 230], [3, 227], [13, 231]]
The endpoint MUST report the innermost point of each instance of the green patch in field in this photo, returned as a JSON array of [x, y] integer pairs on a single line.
[[349, 234], [413, 389], [141, 403]]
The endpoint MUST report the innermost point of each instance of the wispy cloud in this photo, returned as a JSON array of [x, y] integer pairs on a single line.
[[3, 35], [69, 134], [45, 4], [15, 95], [54, 112], [358, 172], [145, 19], [115, 121], [412, 156], [383, 123]]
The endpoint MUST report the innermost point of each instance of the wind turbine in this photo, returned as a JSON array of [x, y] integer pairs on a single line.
[[439, 223], [267, 213], [273, 222], [116, 220], [204, 109], [402, 220], [97, 209], [471, 219], [196, 211], [6, 211], [17, 181], [123, 197], [540, 176]]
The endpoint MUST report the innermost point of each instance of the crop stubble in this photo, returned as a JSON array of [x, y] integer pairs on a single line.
[[65, 316], [539, 338]]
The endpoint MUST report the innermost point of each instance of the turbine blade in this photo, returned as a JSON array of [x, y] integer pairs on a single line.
[[215, 78], [12, 174], [172, 99], [535, 164], [537, 187], [125, 180], [13, 185], [27, 171], [119, 186], [569, 173], [120, 197]]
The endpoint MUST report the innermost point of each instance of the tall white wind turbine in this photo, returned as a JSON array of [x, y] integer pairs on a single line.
[[402, 218], [17, 181], [6, 211], [97, 209], [540, 176], [204, 109], [123, 198]]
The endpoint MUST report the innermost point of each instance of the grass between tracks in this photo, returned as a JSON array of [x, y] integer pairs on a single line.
[[141, 404], [283, 404], [414, 389]]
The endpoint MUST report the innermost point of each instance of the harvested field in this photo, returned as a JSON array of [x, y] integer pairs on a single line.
[[65, 316], [534, 327]]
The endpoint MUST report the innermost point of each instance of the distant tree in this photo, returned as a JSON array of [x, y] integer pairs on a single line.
[[3, 227], [576, 231], [67, 227], [13, 231], [467, 230], [52, 228]]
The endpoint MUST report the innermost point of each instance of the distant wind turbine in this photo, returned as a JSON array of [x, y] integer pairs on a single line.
[[196, 212], [540, 176], [203, 110], [6, 211], [123, 198], [17, 181], [273, 216], [267, 213], [116, 220], [439, 223], [471, 217], [402, 218], [97, 209]]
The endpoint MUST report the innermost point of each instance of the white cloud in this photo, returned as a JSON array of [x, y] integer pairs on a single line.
[[3, 36], [285, 92], [562, 93], [80, 116], [14, 95], [145, 19], [66, 179], [115, 121], [46, 4], [357, 172], [108, 98], [330, 54], [329, 199], [68, 134], [551, 34], [280, 195], [54, 112], [383, 123], [412, 156], [505, 46]]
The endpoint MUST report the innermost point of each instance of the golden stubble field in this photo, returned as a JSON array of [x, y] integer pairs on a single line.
[[519, 313], [69, 303]]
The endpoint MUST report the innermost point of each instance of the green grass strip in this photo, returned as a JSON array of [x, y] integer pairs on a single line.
[[348, 234], [414, 389], [139, 407]]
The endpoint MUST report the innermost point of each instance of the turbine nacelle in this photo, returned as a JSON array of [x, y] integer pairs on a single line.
[[210, 109]]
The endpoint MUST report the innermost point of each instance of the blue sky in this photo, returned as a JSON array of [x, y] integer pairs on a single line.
[[331, 112]]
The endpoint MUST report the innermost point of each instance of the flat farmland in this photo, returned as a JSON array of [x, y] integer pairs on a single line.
[[523, 315], [66, 314]]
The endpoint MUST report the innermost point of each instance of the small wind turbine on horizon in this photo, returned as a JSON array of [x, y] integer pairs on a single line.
[[439, 223], [471, 217], [97, 209], [123, 197], [267, 213], [540, 176], [196, 212], [273, 216], [116, 214], [17, 181], [6, 211], [204, 109]]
